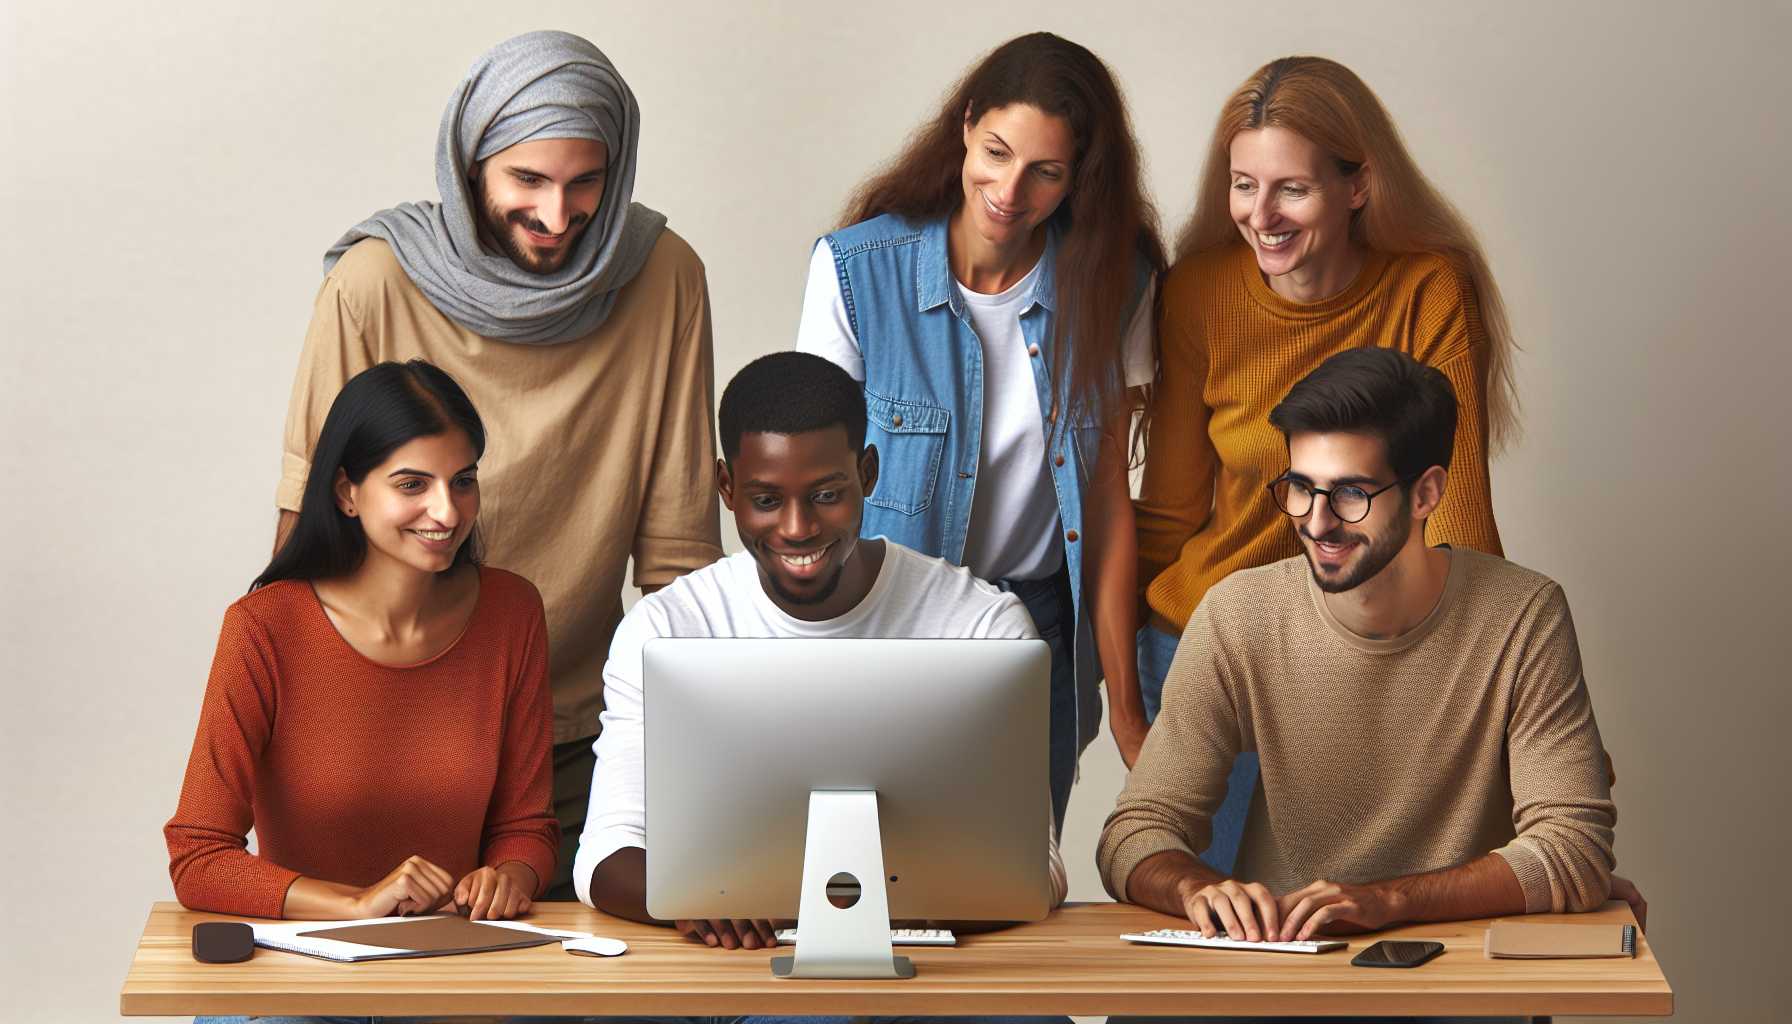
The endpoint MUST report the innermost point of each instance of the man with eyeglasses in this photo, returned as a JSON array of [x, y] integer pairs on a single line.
[[1427, 742]]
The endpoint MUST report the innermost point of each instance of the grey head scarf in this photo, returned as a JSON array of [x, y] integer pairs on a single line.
[[542, 85]]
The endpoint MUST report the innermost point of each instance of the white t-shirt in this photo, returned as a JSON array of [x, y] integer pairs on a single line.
[[1014, 531], [914, 596]]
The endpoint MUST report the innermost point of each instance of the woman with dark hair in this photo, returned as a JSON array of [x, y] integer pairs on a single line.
[[991, 289], [378, 708]]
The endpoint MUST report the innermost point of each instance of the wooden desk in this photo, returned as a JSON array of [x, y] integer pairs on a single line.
[[1071, 963]]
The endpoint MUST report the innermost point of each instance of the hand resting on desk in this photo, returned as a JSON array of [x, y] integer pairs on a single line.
[[496, 894], [416, 886], [754, 934]]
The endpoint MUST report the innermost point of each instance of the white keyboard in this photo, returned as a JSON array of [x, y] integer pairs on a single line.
[[1177, 937], [898, 937]]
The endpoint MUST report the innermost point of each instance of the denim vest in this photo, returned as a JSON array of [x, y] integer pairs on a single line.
[[924, 400]]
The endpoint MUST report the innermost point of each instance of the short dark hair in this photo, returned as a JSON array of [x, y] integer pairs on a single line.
[[378, 411], [790, 393], [1378, 391]]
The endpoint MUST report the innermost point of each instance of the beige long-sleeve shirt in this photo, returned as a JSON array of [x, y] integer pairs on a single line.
[[1472, 733], [597, 449]]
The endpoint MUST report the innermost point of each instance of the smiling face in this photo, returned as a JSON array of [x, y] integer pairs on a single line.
[[1293, 206], [1344, 556], [797, 501], [417, 508], [536, 198], [1017, 166]]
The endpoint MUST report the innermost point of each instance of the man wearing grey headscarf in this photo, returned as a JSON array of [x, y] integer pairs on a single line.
[[576, 321]]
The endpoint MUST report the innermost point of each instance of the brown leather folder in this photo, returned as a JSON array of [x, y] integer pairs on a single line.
[[433, 936]]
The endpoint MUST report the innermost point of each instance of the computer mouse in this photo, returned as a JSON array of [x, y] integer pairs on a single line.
[[596, 945]]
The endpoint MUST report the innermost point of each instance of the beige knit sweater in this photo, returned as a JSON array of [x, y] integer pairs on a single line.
[[1471, 733]]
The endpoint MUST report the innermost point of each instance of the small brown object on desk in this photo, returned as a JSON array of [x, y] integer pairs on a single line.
[[432, 936], [1074, 962], [1526, 940]]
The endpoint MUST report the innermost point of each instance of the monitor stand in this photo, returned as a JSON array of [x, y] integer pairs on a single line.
[[851, 941]]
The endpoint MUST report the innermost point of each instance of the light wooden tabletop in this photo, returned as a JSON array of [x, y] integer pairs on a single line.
[[1071, 963]]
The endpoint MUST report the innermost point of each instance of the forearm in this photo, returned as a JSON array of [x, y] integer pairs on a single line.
[[1484, 887], [1164, 881], [619, 886], [313, 899], [1113, 565]]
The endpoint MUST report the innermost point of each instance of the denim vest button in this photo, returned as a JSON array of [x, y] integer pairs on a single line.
[[1070, 535], [1033, 350], [1058, 459], [896, 420]]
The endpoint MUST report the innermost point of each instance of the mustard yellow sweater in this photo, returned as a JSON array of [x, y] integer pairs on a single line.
[[1232, 348]]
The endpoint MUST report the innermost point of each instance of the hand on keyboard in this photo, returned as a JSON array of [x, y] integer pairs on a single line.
[[1180, 937], [1235, 910], [1335, 908]]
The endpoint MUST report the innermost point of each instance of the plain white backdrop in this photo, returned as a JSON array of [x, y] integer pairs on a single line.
[[173, 173]]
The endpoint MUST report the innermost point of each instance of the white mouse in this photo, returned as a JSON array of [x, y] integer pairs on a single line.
[[596, 945]]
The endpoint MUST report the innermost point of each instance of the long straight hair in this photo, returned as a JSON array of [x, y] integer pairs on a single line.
[[378, 411], [1326, 103], [1106, 222]]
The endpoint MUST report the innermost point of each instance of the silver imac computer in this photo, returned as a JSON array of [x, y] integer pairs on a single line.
[[906, 778]]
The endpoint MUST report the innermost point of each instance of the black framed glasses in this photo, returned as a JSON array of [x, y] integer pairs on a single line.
[[1349, 503]]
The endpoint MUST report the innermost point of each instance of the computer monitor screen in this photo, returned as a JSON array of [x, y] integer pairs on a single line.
[[951, 735]]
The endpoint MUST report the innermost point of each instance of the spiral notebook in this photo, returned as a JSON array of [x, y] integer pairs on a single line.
[[1517, 940]]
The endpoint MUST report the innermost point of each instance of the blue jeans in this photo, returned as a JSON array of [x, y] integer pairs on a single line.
[[1048, 602], [1156, 650]]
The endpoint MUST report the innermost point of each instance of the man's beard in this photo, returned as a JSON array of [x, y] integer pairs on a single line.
[[499, 226], [1375, 554]]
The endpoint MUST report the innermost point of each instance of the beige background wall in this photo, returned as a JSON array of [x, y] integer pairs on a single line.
[[172, 174]]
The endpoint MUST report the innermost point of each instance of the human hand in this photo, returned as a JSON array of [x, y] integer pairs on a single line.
[[414, 887], [1334, 907], [730, 934], [1626, 890], [496, 894], [1243, 910]]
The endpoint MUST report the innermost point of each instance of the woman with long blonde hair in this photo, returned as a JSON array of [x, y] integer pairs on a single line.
[[1313, 232]]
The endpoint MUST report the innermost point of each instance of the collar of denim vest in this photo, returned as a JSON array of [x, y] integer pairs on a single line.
[[935, 285]]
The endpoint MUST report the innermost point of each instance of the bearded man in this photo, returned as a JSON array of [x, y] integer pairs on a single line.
[[1428, 746], [579, 326]]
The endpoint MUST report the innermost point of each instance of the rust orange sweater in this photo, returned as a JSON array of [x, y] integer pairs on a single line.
[[1231, 349], [345, 767]]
